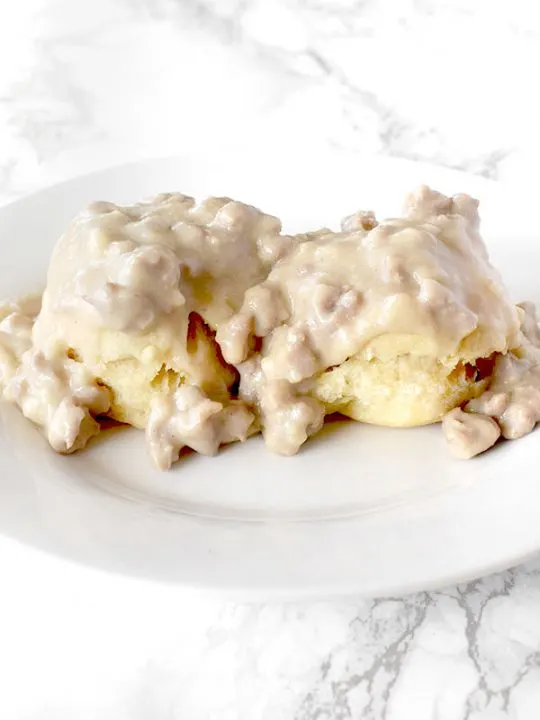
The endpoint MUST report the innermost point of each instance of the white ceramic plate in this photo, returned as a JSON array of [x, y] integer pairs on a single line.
[[360, 510]]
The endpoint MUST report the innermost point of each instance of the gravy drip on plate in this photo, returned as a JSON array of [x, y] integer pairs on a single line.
[[510, 406]]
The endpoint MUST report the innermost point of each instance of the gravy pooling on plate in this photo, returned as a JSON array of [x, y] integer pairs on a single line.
[[205, 323]]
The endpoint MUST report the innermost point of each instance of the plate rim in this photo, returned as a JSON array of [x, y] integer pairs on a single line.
[[275, 591]]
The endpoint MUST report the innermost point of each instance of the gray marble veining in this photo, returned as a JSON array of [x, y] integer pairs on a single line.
[[83, 85]]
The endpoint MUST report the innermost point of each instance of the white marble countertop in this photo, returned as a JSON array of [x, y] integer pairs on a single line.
[[88, 84]]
